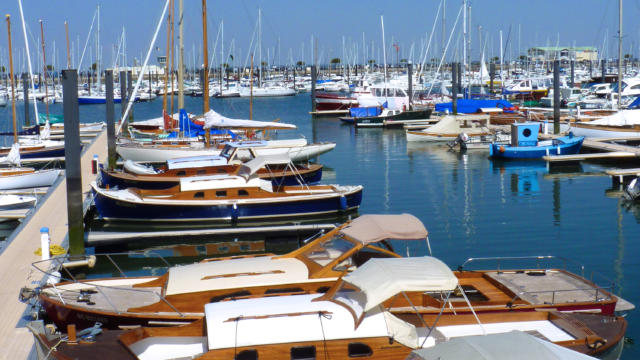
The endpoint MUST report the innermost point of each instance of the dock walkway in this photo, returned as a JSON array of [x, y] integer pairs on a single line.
[[16, 341]]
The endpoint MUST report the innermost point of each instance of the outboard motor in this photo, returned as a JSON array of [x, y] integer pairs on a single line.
[[460, 140], [632, 191]]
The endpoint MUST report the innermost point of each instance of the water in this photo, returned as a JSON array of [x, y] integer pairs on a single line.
[[471, 206]]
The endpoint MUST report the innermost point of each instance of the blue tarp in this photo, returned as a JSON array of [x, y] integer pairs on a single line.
[[191, 129], [470, 106], [364, 111]]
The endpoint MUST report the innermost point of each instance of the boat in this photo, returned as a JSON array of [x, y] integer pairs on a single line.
[[386, 95], [528, 89], [267, 91], [179, 295], [450, 126], [25, 178], [351, 320], [514, 345], [332, 102], [277, 168], [525, 144], [12, 202], [374, 117], [226, 199], [623, 124]]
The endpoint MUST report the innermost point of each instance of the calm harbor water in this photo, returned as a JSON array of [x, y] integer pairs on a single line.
[[472, 206]]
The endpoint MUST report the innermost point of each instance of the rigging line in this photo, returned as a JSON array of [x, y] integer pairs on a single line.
[[426, 52], [26, 45], [324, 339], [445, 52], [87, 41]]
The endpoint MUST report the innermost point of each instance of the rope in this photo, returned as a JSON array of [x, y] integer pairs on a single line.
[[53, 250], [324, 339], [235, 344]]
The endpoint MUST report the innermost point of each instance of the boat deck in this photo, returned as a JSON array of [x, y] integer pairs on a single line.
[[547, 287], [118, 299]]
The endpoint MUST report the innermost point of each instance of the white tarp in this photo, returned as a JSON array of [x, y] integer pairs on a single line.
[[13, 157], [515, 345], [381, 279], [213, 119], [624, 117]]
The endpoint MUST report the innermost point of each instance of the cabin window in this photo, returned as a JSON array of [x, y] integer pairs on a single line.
[[243, 192], [199, 195], [201, 172], [247, 355], [221, 193], [240, 293], [526, 132], [303, 353], [181, 173], [359, 350], [283, 291]]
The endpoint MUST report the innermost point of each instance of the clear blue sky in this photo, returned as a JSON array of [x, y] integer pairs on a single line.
[[407, 23]]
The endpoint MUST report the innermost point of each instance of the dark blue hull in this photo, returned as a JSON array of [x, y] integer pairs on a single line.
[[43, 153], [91, 100], [562, 146], [226, 212], [106, 179]]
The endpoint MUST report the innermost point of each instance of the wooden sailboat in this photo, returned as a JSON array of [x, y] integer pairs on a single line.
[[180, 295]]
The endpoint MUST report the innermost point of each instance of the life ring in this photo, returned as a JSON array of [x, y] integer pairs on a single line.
[[501, 149]]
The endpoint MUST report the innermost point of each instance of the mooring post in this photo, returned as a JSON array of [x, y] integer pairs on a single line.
[[603, 64], [314, 78], [25, 86], [130, 93], [556, 96], [72, 161], [454, 88], [123, 92], [111, 128], [460, 88], [590, 69], [410, 78], [492, 74], [573, 68]]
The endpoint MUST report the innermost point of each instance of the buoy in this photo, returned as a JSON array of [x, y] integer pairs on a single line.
[[501, 148]]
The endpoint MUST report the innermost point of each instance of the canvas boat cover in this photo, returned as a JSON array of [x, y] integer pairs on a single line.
[[374, 228], [213, 119], [624, 117], [196, 161], [250, 167], [381, 279], [515, 345], [450, 124], [364, 111], [470, 106]]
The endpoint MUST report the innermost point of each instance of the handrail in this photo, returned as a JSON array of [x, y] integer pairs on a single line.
[[597, 291], [541, 258]]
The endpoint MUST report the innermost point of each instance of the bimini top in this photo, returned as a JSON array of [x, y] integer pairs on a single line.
[[514, 345], [381, 279], [250, 167], [213, 119], [373, 228]]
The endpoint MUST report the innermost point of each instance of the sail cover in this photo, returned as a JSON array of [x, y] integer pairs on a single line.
[[213, 119]]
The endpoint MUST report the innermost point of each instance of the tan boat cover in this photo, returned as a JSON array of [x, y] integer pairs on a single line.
[[250, 167], [454, 125], [380, 279], [373, 228]]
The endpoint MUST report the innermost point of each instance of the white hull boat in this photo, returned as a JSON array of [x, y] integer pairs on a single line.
[[268, 92], [25, 180], [296, 150], [625, 123], [12, 202]]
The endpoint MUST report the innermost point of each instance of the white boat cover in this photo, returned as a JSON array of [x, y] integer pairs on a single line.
[[211, 182], [291, 319], [138, 169], [380, 279], [624, 117], [196, 161], [373, 228], [13, 157], [159, 121], [250, 167], [514, 345], [213, 119]]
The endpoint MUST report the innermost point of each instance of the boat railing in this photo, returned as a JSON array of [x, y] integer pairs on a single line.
[[604, 291], [54, 267], [547, 262]]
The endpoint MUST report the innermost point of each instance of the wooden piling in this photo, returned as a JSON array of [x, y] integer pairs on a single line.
[[111, 129], [25, 88], [454, 88], [314, 79], [556, 96]]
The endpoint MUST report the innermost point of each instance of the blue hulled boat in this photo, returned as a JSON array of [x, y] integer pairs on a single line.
[[225, 199], [525, 144]]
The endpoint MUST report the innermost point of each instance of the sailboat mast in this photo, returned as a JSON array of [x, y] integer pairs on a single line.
[[181, 55], [166, 63], [619, 51], [26, 45], [172, 54], [384, 56], [205, 55], [44, 67], [98, 54], [13, 86]]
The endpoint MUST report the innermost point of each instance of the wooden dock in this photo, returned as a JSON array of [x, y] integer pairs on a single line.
[[17, 255], [608, 150]]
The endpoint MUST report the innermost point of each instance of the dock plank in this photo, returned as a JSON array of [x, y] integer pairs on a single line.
[[16, 341]]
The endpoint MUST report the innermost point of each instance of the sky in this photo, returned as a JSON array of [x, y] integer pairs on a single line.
[[289, 26]]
